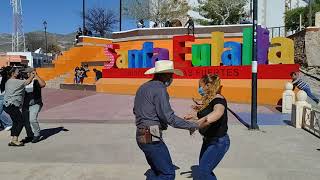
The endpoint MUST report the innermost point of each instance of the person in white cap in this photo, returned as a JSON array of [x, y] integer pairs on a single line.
[[153, 114]]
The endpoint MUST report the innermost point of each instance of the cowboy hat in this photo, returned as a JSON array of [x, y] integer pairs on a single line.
[[164, 66]]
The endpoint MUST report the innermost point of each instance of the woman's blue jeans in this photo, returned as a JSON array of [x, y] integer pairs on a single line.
[[211, 154]]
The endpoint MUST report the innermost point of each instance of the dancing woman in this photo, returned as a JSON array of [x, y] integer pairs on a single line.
[[212, 113]]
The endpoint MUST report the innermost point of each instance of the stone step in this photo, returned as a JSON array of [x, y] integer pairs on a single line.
[[83, 87]]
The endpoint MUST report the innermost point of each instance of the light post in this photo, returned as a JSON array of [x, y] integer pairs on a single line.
[[310, 13], [120, 22], [251, 9], [254, 106], [83, 15], [45, 35]]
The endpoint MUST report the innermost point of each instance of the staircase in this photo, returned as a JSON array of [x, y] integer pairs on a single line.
[[91, 50], [55, 83]]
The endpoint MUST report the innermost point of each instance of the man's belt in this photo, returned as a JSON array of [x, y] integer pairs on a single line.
[[147, 136]]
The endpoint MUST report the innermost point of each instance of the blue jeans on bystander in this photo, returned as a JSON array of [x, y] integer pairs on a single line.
[[310, 94], [5, 119]]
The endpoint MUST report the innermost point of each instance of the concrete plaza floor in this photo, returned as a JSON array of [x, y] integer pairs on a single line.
[[91, 136], [109, 151]]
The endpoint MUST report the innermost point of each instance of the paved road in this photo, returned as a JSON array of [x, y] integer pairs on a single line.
[[108, 151]]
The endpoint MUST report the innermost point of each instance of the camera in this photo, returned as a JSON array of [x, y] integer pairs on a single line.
[[22, 75]]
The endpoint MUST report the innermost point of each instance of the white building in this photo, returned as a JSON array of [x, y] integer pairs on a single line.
[[35, 59], [270, 12]]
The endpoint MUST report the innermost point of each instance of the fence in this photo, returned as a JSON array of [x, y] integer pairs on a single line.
[[311, 121], [278, 32]]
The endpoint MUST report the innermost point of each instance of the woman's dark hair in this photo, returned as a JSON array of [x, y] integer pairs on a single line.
[[6, 74]]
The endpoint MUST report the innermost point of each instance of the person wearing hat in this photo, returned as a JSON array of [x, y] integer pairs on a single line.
[[153, 114], [32, 106]]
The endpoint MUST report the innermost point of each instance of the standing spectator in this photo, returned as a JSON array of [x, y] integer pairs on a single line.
[[190, 24], [13, 99], [32, 106], [79, 33], [85, 31], [155, 25], [76, 75], [168, 24], [89, 33], [140, 24], [82, 74], [98, 74], [86, 69], [5, 121], [298, 82]]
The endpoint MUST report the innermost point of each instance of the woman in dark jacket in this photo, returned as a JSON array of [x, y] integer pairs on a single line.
[[211, 113]]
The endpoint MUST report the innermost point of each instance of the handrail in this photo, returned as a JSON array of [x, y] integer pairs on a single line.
[[311, 121]]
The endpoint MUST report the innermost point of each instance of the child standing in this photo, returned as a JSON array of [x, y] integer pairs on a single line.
[[298, 82]]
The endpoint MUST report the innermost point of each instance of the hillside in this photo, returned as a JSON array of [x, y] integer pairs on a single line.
[[64, 40]]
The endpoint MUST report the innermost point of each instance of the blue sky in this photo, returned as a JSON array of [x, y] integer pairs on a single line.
[[63, 16]]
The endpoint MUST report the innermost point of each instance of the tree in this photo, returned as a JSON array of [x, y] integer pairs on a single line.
[[137, 9], [101, 20], [158, 11], [220, 11], [36, 40], [292, 17]]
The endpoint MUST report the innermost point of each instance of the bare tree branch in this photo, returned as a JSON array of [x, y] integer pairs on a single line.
[[158, 11], [100, 20]]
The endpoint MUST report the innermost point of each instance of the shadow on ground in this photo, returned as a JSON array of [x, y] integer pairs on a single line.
[[46, 133], [194, 173], [150, 175]]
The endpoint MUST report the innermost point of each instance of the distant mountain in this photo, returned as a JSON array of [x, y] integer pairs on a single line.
[[65, 41], [5, 42]]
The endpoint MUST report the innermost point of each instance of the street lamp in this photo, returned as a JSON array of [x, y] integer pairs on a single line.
[[254, 106], [83, 15], [120, 23], [251, 9], [45, 35], [310, 13]]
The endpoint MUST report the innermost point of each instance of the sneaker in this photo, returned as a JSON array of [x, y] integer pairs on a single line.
[[27, 140], [16, 144], [35, 139], [8, 128]]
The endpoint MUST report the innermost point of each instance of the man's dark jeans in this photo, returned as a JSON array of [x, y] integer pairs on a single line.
[[158, 157]]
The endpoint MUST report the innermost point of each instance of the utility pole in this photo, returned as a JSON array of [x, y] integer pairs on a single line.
[[251, 9], [45, 35], [18, 38], [254, 106], [83, 15], [120, 22], [310, 12]]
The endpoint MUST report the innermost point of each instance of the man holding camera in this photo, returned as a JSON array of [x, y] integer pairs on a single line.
[[32, 106]]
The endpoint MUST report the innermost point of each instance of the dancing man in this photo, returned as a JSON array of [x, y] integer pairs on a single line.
[[153, 114]]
